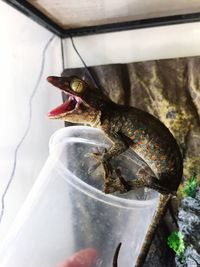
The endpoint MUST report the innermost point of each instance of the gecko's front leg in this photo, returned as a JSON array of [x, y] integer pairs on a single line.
[[119, 146]]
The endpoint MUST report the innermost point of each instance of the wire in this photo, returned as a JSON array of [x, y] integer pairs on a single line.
[[62, 53], [84, 64], [26, 129]]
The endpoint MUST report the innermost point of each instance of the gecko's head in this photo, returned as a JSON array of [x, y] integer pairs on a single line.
[[82, 105]]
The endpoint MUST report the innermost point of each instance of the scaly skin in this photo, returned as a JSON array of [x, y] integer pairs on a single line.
[[126, 127]]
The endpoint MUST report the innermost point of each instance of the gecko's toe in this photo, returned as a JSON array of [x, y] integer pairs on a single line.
[[96, 153], [114, 185], [93, 168]]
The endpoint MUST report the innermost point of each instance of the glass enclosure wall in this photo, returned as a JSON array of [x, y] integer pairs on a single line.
[[21, 57], [173, 41]]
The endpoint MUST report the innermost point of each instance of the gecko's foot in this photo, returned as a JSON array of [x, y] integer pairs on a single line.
[[93, 168], [98, 150], [122, 180], [97, 154], [116, 184]]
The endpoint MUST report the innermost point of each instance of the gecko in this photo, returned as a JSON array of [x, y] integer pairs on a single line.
[[126, 127]]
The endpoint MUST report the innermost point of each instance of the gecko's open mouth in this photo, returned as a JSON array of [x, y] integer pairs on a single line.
[[71, 103]]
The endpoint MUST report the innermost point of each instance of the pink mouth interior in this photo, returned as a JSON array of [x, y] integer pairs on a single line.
[[67, 106]]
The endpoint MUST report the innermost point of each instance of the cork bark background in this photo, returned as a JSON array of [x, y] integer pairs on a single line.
[[169, 90]]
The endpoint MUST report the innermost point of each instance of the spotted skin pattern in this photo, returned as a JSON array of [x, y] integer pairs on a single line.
[[152, 142], [127, 127]]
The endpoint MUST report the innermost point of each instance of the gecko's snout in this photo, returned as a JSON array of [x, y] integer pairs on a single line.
[[50, 79], [57, 81], [53, 79]]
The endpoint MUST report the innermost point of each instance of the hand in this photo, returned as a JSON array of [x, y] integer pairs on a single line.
[[83, 258]]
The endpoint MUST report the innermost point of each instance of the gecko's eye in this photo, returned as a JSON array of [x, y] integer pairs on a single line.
[[77, 85]]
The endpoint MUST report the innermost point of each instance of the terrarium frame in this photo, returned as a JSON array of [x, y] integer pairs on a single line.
[[35, 14]]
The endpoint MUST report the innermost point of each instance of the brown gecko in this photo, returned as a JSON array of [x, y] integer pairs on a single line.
[[126, 127]]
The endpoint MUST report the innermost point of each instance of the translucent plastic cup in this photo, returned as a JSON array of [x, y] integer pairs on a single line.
[[67, 211]]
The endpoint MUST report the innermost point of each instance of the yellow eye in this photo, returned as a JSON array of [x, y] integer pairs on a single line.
[[77, 85]]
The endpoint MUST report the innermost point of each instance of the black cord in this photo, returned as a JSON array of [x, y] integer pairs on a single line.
[[84, 64], [62, 53], [26, 130]]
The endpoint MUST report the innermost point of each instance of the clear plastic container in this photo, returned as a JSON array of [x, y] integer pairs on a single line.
[[67, 211]]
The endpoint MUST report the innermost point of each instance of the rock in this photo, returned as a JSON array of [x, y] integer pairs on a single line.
[[192, 258], [189, 225]]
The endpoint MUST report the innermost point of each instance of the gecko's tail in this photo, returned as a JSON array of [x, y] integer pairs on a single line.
[[161, 209], [115, 258]]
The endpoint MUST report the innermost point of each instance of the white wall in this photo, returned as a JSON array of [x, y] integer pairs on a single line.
[[135, 45], [21, 46]]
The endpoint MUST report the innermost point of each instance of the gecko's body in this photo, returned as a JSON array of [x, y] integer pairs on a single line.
[[149, 139], [126, 127]]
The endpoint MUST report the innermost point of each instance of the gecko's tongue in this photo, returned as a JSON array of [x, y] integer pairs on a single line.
[[67, 106]]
